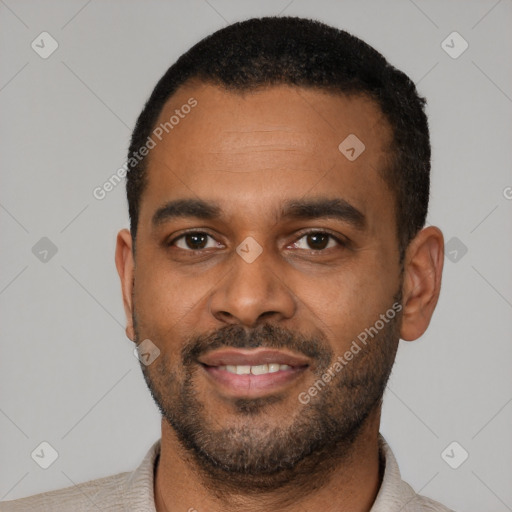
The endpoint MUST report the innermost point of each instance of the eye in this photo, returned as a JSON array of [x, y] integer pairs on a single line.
[[317, 241], [193, 241], [196, 241]]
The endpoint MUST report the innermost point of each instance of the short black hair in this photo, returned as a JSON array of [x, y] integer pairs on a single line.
[[268, 51]]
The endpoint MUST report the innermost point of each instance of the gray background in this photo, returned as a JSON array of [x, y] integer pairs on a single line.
[[68, 375]]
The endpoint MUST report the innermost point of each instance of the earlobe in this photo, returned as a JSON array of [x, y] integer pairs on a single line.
[[125, 269], [422, 281]]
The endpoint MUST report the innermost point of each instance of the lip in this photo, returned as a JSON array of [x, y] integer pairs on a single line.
[[252, 357], [252, 386]]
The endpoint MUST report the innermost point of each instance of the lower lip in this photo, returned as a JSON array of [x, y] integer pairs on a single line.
[[253, 385]]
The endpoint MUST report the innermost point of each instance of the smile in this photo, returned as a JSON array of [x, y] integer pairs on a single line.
[[252, 373], [259, 369]]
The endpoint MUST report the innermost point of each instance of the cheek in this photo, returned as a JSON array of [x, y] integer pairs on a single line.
[[346, 301], [167, 301]]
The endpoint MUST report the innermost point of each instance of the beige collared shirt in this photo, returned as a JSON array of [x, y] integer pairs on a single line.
[[133, 492]]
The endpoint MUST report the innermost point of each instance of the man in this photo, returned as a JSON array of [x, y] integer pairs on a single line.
[[278, 189]]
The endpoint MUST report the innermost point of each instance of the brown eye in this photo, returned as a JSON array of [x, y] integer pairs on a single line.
[[193, 241], [317, 241], [196, 241]]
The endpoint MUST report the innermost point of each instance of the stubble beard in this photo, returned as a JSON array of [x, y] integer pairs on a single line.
[[256, 454]]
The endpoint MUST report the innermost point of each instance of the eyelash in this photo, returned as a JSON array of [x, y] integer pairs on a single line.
[[341, 242]]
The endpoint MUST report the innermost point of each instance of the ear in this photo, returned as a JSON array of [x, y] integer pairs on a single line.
[[125, 268], [423, 269]]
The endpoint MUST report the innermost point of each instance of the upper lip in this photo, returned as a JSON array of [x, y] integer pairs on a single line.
[[251, 357]]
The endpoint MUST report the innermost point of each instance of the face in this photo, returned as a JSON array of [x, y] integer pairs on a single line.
[[262, 253]]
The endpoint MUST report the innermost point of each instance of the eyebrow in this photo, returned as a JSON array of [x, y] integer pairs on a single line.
[[296, 209]]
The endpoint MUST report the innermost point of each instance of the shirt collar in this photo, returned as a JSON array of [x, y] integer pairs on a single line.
[[140, 484], [393, 490]]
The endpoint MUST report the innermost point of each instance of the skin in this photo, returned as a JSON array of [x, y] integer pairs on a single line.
[[250, 153]]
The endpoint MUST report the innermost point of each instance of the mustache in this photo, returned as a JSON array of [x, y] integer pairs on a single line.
[[266, 336]]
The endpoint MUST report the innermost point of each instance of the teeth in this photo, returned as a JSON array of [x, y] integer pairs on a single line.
[[259, 369], [243, 369]]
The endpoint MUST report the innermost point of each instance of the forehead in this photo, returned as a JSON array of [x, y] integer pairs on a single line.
[[264, 146]]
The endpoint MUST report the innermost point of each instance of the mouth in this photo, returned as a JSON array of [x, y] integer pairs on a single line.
[[252, 373]]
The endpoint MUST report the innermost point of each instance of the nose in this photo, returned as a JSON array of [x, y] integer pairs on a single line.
[[252, 292]]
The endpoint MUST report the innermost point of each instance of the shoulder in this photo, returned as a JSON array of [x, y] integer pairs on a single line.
[[92, 495], [418, 503], [397, 495], [100, 494], [131, 490]]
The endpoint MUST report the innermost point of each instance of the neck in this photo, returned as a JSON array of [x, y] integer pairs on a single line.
[[348, 483]]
